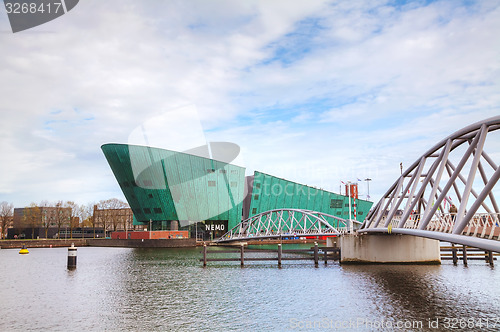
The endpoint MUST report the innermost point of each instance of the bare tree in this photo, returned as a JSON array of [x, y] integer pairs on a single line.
[[110, 211], [61, 216], [47, 217], [32, 217], [6, 213], [84, 213], [117, 214], [90, 210], [74, 216]]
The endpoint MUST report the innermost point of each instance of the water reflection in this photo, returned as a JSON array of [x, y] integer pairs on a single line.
[[120, 289]]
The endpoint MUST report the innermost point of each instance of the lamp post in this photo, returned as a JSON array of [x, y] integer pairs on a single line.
[[368, 183], [150, 223], [401, 167]]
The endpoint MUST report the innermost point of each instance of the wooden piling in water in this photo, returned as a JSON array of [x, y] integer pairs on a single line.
[[316, 256], [280, 252], [464, 254], [242, 253], [454, 253], [490, 257], [204, 255], [309, 254]]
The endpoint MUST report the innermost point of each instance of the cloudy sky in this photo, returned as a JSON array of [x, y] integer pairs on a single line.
[[314, 91]]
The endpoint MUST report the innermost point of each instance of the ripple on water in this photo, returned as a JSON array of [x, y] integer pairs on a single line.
[[118, 289]]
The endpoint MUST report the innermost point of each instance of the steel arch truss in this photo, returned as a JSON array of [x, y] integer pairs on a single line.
[[421, 198], [286, 223]]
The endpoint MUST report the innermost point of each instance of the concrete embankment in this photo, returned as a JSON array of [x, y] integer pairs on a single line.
[[142, 243], [42, 243], [53, 243]]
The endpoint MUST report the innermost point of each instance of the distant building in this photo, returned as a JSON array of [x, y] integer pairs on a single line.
[[33, 222], [115, 220]]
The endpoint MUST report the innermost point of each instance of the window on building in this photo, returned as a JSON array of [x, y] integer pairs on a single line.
[[257, 185], [210, 170], [347, 205], [254, 210], [211, 183], [150, 195], [223, 171], [157, 210], [339, 213], [234, 171], [147, 210], [256, 197], [360, 213], [336, 204]]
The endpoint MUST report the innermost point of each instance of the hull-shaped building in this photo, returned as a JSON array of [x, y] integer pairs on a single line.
[[170, 190]]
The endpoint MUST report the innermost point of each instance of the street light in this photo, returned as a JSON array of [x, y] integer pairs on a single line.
[[150, 222], [401, 167], [368, 183]]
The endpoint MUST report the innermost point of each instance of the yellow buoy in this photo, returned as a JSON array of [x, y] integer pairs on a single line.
[[24, 250]]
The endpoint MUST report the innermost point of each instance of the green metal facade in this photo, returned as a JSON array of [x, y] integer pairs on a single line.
[[163, 185], [270, 192]]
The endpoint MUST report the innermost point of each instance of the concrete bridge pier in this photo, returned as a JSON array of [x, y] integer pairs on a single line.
[[391, 249]]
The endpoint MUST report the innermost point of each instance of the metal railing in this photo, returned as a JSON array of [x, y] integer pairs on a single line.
[[482, 225], [288, 223]]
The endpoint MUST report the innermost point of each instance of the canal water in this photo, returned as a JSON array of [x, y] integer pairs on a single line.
[[121, 289]]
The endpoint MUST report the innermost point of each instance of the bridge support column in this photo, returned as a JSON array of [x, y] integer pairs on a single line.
[[376, 248]]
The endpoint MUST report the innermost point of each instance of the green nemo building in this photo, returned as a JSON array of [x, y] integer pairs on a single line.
[[190, 191]]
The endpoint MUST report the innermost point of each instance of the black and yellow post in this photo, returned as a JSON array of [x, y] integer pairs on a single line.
[[72, 257]]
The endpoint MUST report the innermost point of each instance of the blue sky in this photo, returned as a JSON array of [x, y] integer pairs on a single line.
[[314, 91]]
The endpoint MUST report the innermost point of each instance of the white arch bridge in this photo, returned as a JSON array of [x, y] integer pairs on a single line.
[[455, 172], [283, 223]]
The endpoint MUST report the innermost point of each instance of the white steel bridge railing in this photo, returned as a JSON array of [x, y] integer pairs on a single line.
[[288, 223], [482, 225]]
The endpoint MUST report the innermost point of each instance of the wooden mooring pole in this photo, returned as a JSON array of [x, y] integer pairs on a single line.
[[316, 255], [204, 255], [242, 253], [464, 254], [298, 254], [280, 252], [454, 254]]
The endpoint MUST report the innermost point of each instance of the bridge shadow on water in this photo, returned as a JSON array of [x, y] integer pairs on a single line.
[[429, 292]]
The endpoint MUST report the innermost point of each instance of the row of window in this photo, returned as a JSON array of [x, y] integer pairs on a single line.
[[156, 210], [149, 183], [254, 211], [334, 204], [222, 171]]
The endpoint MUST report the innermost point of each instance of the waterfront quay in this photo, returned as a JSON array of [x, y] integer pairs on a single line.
[[124, 243]]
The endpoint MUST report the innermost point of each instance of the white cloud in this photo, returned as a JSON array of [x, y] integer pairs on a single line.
[[315, 91]]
